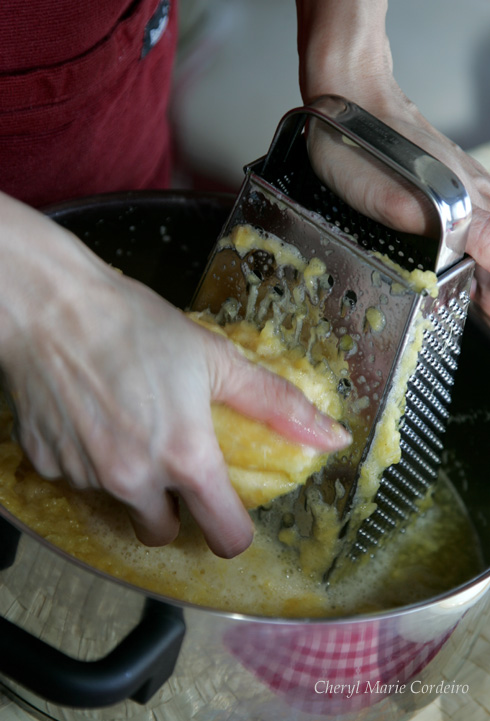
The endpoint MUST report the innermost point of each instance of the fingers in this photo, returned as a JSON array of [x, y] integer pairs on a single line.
[[156, 519], [40, 453], [260, 394], [368, 185], [226, 525], [477, 244], [197, 469], [212, 501], [186, 465]]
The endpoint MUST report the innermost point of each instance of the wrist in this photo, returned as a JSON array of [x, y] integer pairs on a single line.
[[343, 49]]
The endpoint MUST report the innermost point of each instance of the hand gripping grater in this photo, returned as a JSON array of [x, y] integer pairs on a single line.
[[282, 196]]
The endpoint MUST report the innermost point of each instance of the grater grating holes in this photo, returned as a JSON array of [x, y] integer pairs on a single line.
[[422, 447], [410, 485], [406, 467], [426, 413], [437, 407], [301, 184], [436, 366], [391, 508], [433, 383], [413, 419], [423, 465]]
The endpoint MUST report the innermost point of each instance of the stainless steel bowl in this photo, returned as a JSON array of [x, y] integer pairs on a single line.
[[77, 644]]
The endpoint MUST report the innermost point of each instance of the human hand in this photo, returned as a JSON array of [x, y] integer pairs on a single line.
[[377, 191], [112, 387], [344, 50]]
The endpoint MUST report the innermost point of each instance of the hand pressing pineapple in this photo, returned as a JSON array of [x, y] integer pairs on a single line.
[[262, 464]]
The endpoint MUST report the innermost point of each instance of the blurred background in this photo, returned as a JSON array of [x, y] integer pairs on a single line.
[[237, 75]]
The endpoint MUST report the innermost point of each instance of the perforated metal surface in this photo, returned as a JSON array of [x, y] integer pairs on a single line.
[[288, 200], [426, 414], [428, 394], [300, 183]]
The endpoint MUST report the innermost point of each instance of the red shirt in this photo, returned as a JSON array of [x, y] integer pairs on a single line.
[[84, 89]]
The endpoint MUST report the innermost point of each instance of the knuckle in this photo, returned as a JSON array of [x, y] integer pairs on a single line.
[[123, 477], [192, 462], [40, 455], [186, 461]]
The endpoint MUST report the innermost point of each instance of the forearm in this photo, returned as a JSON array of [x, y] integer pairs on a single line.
[[343, 47]]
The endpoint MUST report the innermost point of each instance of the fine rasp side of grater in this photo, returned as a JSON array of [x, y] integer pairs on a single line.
[[282, 196]]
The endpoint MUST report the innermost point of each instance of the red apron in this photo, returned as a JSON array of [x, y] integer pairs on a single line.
[[83, 96]]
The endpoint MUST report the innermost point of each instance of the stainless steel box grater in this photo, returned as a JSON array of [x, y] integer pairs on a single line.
[[282, 196]]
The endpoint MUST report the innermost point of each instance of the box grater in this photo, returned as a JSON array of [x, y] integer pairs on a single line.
[[282, 196]]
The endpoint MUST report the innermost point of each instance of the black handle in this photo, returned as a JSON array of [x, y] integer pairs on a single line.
[[135, 669], [9, 540]]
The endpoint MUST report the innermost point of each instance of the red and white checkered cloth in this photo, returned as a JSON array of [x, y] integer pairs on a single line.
[[331, 669]]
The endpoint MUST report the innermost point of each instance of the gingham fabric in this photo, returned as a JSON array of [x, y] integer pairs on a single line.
[[334, 669]]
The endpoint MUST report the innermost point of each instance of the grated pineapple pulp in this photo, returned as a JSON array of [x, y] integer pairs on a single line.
[[280, 574]]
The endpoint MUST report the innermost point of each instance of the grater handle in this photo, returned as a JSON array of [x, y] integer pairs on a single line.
[[440, 185]]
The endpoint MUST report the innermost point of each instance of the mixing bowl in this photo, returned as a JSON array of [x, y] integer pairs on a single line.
[[77, 644]]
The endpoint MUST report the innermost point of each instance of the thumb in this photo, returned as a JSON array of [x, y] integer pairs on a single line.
[[264, 396], [477, 244]]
